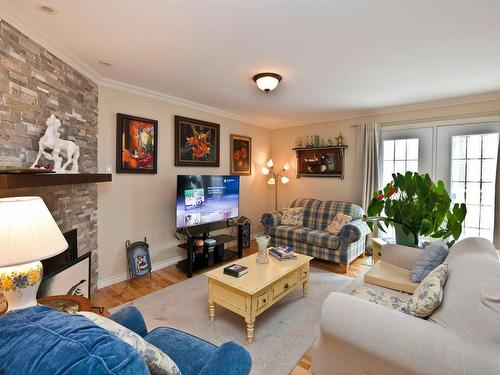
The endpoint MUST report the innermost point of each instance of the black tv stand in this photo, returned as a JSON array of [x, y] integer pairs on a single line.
[[206, 256]]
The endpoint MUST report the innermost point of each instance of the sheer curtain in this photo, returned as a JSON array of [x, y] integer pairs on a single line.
[[496, 234], [367, 179], [367, 167]]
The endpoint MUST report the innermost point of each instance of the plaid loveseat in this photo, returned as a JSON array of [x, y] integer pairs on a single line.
[[312, 238]]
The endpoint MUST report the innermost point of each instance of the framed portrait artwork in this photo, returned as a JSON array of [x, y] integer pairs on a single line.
[[241, 155], [196, 143], [136, 144], [72, 279]]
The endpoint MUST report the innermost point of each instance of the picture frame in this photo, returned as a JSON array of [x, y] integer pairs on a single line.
[[241, 155], [139, 261], [136, 144], [197, 143], [72, 279]]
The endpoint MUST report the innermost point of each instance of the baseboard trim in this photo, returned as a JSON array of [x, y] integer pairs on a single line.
[[102, 283]]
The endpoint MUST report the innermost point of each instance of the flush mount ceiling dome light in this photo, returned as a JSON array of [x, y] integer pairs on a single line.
[[267, 81]]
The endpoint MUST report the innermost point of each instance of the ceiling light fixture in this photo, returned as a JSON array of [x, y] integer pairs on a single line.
[[267, 81], [45, 9]]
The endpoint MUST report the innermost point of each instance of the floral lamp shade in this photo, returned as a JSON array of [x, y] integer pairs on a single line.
[[28, 234]]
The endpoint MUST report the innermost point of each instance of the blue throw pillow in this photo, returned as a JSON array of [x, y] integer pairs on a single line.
[[39, 340], [433, 255]]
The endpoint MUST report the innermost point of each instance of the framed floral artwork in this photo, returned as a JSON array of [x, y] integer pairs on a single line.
[[241, 155], [136, 144], [197, 143]]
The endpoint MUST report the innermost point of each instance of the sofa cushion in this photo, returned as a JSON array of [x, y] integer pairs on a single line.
[[432, 256], [158, 362], [190, 353], [429, 294], [293, 216], [382, 296], [311, 207], [39, 340], [328, 209], [337, 223], [289, 233], [322, 238]]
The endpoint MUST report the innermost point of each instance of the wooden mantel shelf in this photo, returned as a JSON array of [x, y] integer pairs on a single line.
[[15, 181]]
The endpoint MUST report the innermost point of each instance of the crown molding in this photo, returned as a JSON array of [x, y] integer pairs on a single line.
[[356, 114], [35, 32], [141, 91]]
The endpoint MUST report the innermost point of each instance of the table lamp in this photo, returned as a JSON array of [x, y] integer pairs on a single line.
[[28, 234]]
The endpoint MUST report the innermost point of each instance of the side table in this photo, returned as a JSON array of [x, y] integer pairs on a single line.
[[377, 244], [66, 303]]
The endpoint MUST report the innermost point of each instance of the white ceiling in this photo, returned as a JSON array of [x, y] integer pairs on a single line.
[[335, 56]]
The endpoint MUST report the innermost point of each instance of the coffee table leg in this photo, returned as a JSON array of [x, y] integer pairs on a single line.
[[305, 287], [250, 328], [211, 311]]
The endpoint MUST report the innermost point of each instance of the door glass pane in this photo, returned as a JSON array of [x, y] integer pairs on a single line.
[[399, 156], [388, 150], [473, 172]]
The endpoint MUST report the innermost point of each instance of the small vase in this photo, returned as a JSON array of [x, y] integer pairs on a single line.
[[402, 238], [262, 243]]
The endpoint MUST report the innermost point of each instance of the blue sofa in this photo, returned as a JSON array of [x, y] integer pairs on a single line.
[[39, 340], [312, 239]]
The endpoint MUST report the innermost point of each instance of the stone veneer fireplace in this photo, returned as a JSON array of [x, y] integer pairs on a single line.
[[33, 85]]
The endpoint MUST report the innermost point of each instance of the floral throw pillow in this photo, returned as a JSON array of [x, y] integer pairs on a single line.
[[158, 362], [293, 216], [338, 222], [429, 294]]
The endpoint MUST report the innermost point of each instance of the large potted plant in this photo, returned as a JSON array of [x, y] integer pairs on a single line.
[[416, 206]]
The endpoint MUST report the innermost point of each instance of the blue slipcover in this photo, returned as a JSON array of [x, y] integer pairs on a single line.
[[39, 340], [190, 353]]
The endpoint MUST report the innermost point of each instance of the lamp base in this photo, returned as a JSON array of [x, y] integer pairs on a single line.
[[19, 284]]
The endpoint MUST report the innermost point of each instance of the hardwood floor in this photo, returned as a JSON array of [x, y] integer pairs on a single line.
[[120, 293]]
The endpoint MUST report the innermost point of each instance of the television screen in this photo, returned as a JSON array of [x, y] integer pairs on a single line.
[[206, 199]]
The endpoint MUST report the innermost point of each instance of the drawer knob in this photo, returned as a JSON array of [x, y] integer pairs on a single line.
[[264, 300], [286, 286]]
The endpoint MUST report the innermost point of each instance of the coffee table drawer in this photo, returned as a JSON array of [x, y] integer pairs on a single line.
[[283, 285], [263, 300], [304, 272]]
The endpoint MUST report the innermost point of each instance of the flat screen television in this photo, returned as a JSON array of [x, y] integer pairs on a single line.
[[206, 199]]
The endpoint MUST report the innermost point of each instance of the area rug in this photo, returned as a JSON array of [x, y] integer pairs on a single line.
[[283, 333]]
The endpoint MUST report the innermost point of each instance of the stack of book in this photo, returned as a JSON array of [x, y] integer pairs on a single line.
[[282, 253]]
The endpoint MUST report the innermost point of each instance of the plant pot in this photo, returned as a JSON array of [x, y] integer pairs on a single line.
[[402, 238]]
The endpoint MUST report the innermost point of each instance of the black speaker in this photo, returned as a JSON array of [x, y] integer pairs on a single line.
[[246, 235]]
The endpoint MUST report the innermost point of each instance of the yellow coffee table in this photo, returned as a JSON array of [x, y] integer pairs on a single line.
[[263, 286]]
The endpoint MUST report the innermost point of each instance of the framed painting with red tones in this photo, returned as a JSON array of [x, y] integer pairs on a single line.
[[136, 144], [196, 143], [241, 155]]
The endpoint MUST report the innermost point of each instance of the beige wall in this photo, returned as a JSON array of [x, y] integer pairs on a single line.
[[135, 205], [283, 141]]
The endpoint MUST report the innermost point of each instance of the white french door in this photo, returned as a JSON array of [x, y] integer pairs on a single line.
[[467, 163], [463, 156]]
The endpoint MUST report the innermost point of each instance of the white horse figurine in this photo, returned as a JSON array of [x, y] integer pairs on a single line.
[[59, 147]]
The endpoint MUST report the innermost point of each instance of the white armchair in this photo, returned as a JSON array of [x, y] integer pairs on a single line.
[[462, 336]]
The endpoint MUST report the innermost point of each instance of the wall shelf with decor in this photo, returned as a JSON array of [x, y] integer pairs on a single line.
[[327, 161], [21, 180]]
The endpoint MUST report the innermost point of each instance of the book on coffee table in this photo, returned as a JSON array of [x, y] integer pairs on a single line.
[[235, 270], [282, 253]]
